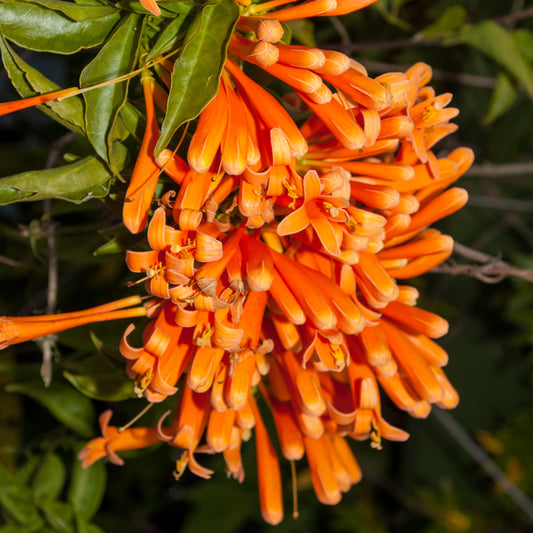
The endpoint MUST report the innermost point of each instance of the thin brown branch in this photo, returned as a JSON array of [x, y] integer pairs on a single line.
[[490, 270], [472, 80], [485, 462], [490, 170], [507, 204], [511, 18]]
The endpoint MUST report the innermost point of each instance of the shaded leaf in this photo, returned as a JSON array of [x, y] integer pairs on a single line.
[[35, 27], [497, 43], [49, 478], [87, 488], [30, 82], [79, 13], [106, 384], [524, 40], [503, 97], [303, 31], [16, 502], [76, 182], [62, 401], [116, 58], [58, 515], [451, 20], [168, 37], [168, 9], [196, 74]]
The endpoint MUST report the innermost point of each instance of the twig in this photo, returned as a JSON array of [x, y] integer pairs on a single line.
[[49, 229], [511, 18], [490, 170], [415, 40], [472, 80], [491, 270], [485, 462], [494, 202], [9, 262], [341, 30]]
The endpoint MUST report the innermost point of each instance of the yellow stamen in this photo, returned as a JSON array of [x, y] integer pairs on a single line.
[[142, 382], [181, 465], [375, 437], [204, 339], [338, 354], [331, 209]]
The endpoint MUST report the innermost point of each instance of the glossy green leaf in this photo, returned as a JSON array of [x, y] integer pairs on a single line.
[[87, 488], [116, 58], [49, 478], [33, 26], [62, 401], [167, 38], [76, 182], [168, 9], [107, 384], [451, 20], [196, 74], [133, 120], [111, 353], [76, 12], [30, 82], [497, 43], [503, 97]]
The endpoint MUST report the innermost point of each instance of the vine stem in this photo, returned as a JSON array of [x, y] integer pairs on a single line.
[[484, 461]]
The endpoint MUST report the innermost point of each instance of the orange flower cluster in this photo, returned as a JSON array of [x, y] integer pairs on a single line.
[[274, 273], [273, 268]]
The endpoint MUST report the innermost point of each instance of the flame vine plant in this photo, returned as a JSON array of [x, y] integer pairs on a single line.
[[273, 251]]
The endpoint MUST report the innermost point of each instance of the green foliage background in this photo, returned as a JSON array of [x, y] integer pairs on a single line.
[[482, 52]]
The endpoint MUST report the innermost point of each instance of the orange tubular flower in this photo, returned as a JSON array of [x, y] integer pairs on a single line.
[[14, 330], [146, 172], [113, 440], [55, 96], [151, 5]]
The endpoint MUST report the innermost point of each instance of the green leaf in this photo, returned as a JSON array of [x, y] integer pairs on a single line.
[[30, 82], [196, 74], [104, 383], [79, 13], [167, 38], [133, 120], [451, 20], [302, 30], [497, 43], [49, 478], [87, 488], [35, 27], [62, 401], [59, 516], [524, 40], [76, 182], [168, 9], [503, 97], [16, 502], [116, 58]]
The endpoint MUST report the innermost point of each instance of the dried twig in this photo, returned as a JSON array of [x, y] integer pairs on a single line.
[[49, 229], [485, 462], [491, 270], [490, 170]]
